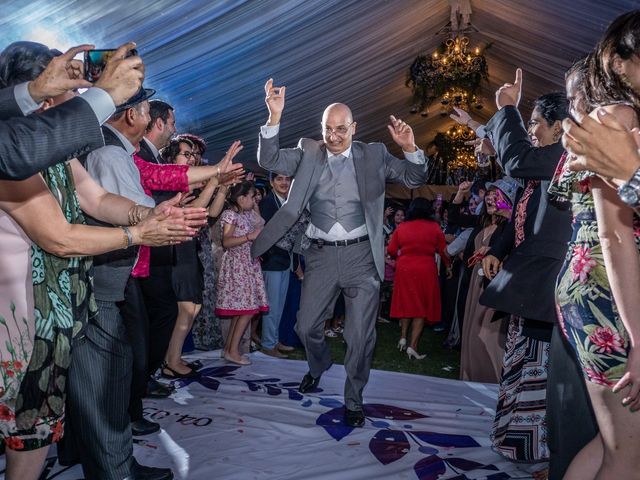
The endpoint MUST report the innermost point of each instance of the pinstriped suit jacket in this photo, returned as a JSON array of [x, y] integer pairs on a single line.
[[32, 143]]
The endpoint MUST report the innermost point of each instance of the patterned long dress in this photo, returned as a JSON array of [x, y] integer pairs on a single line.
[[45, 317], [587, 311], [206, 327]]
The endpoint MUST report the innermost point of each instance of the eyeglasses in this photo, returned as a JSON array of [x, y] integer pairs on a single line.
[[340, 131], [189, 155]]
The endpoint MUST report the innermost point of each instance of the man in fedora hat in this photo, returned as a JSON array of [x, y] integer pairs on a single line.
[[102, 362]]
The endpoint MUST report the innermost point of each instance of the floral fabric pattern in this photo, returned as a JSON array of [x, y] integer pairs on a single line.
[[586, 308], [62, 303], [240, 286]]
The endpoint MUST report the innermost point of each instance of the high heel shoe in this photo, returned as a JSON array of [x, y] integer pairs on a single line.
[[402, 344], [411, 353]]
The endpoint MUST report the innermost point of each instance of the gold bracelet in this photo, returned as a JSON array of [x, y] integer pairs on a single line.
[[135, 214], [131, 215], [139, 212]]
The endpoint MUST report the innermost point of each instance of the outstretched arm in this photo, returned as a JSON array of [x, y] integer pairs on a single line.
[[516, 154], [30, 203]]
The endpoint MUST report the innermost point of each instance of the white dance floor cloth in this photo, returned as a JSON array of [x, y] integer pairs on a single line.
[[251, 423]]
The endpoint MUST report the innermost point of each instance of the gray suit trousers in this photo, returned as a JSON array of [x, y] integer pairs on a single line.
[[98, 397], [329, 271]]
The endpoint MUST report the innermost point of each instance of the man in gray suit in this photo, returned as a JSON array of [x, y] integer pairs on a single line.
[[342, 183]]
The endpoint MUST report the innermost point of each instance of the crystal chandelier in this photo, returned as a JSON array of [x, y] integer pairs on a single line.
[[456, 62], [463, 155], [460, 98], [453, 73]]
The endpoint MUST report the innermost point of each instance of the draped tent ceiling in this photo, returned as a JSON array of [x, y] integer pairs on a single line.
[[210, 59]]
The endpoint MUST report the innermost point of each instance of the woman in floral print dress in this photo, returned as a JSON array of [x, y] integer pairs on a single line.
[[602, 265], [589, 317]]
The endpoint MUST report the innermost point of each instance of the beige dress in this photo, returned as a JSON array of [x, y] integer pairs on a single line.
[[482, 340]]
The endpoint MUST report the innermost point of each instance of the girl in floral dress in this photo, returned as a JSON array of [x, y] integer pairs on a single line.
[[241, 292]]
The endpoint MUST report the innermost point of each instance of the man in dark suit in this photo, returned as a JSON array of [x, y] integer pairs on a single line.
[[70, 129], [159, 298], [343, 184], [275, 264]]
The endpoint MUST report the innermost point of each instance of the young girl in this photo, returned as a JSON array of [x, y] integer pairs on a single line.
[[241, 292]]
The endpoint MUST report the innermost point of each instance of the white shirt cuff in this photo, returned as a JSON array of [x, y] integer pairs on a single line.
[[100, 102], [269, 131], [24, 100], [416, 157], [481, 131]]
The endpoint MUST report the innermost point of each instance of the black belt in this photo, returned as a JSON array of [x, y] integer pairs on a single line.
[[339, 243]]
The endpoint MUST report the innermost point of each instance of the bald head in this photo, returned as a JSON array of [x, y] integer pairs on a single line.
[[338, 127], [337, 109]]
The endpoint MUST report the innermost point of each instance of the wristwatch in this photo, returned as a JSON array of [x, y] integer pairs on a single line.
[[629, 192]]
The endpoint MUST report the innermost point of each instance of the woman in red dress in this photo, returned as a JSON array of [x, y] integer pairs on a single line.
[[416, 292]]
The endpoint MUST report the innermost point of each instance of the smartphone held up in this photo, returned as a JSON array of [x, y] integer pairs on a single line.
[[96, 60]]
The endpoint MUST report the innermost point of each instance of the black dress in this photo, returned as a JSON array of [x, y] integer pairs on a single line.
[[187, 273]]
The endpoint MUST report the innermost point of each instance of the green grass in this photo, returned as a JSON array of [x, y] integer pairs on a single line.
[[387, 356]]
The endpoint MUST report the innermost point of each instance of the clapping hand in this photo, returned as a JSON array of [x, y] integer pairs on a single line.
[[605, 147], [402, 134], [510, 93], [61, 75], [192, 217], [226, 165]]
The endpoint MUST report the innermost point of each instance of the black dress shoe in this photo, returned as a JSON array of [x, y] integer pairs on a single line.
[[308, 383], [155, 389], [141, 472], [171, 374], [354, 418], [144, 427]]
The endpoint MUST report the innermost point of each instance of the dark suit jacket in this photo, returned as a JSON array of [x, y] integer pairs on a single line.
[[275, 259], [526, 284], [548, 225], [33, 143], [374, 166]]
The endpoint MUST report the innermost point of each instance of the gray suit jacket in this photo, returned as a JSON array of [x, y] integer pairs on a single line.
[[374, 166], [32, 143]]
